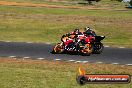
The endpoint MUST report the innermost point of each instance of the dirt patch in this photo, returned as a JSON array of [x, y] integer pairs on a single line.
[[45, 5]]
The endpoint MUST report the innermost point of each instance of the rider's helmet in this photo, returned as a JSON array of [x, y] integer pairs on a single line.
[[87, 29], [63, 36], [76, 31]]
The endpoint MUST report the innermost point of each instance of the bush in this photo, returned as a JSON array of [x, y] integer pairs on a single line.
[[130, 3]]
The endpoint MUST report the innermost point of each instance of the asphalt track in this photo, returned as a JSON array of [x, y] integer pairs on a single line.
[[43, 51]]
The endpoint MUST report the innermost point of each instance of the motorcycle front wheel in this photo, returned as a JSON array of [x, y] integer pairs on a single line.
[[86, 50], [58, 48]]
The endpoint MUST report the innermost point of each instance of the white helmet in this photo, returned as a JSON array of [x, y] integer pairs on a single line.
[[87, 29]]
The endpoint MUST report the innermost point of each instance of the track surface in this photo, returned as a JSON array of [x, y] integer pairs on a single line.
[[40, 50]]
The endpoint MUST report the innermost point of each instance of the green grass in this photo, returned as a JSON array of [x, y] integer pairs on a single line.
[[45, 74], [61, 11], [40, 24], [48, 24]]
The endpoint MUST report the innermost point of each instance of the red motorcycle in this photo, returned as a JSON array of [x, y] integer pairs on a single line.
[[81, 44]]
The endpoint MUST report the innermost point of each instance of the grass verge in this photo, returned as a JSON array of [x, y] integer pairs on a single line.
[[50, 74], [37, 24]]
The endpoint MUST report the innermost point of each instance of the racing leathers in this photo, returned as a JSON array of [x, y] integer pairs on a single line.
[[72, 39], [66, 41], [75, 36], [89, 32]]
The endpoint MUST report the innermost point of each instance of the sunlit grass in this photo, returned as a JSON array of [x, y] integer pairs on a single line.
[[52, 74], [37, 24]]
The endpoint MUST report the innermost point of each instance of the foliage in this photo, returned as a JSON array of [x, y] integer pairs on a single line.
[[130, 3]]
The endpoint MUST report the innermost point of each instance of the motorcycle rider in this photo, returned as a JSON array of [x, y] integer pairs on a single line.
[[74, 33], [88, 31], [66, 40], [74, 36]]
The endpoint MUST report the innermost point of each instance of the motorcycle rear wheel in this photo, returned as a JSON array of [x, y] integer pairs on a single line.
[[98, 48]]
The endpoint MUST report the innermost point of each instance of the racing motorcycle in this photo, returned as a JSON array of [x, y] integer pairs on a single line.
[[84, 45]]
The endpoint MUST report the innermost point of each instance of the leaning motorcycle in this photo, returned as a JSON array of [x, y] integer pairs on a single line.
[[82, 46]]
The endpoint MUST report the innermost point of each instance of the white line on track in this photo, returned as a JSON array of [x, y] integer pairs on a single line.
[[12, 56], [129, 64], [115, 63], [7, 41], [78, 62], [99, 62], [71, 60], [26, 57], [85, 62], [121, 47], [29, 42], [40, 58], [47, 43], [57, 59], [106, 46]]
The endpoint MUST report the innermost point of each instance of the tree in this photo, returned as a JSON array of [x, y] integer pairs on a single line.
[[130, 3]]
